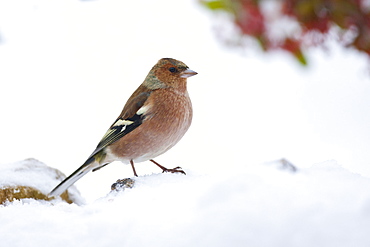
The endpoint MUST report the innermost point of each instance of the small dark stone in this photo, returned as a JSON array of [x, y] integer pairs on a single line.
[[122, 184]]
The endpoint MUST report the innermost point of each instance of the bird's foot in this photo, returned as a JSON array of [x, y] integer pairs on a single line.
[[173, 170]]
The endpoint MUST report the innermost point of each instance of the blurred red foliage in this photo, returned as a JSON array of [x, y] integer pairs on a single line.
[[314, 19]]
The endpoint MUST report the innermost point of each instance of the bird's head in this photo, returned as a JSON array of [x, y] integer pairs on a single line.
[[168, 72]]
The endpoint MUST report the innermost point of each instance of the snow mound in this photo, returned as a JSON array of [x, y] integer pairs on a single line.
[[33, 176]]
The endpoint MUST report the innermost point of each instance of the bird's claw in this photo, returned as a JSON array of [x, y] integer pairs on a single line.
[[173, 170]]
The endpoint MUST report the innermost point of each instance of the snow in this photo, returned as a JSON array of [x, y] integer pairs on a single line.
[[35, 174], [325, 205], [67, 68]]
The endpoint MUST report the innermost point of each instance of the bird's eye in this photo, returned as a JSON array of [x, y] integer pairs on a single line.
[[172, 69]]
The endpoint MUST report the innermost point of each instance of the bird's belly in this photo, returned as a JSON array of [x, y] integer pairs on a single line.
[[152, 140]]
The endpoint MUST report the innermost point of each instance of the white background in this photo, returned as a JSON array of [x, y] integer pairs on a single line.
[[67, 68]]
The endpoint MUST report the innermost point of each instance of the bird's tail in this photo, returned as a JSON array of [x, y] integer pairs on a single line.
[[89, 165]]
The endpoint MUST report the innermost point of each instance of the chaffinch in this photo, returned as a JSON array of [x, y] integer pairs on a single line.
[[154, 119]]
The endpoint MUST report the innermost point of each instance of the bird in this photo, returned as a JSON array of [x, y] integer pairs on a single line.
[[153, 120]]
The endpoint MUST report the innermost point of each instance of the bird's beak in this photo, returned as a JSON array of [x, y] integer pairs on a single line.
[[187, 73]]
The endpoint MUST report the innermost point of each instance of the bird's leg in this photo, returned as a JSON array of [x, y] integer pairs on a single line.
[[164, 169], [133, 168]]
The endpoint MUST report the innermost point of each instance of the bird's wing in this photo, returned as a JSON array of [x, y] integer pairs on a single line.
[[120, 128], [123, 124]]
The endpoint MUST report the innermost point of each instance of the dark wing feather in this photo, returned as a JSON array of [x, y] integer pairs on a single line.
[[118, 131], [122, 126]]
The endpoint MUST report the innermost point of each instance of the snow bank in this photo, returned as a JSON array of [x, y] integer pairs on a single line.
[[324, 205], [35, 176]]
